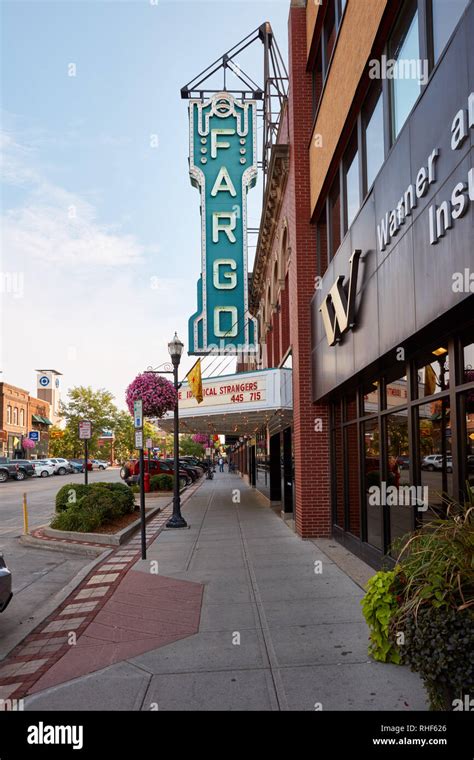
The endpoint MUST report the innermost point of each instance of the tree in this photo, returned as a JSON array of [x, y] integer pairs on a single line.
[[188, 447], [86, 404]]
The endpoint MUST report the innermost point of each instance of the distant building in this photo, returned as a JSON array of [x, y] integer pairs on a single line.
[[48, 388], [21, 414]]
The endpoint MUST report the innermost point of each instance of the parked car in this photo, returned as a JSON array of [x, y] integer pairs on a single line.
[[99, 464], [404, 462], [5, 585], [77, 465], [434, 462], [18, 469], [43, 469], [129, 472], [62, 466], [80, 462]]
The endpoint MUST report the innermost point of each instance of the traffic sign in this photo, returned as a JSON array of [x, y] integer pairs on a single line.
[[208, 452], [85, 430], [34, 435], [149, 443], [138, 413], [138, 439]]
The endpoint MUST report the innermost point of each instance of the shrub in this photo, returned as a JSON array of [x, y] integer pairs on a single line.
[[82, 520], [68, 496], [134, 488], [439, 645], [436, 612], [120, 494], [100, 501], [161, 483], [378, 606]]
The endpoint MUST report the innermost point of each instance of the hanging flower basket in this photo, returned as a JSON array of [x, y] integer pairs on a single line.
[[158, 395], [201, 438], [27, 443]]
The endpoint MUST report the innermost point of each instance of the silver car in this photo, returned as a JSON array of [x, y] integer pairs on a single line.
[[5, 585]]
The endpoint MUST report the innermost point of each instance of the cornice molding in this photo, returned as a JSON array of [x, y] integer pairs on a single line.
[[276, 183]]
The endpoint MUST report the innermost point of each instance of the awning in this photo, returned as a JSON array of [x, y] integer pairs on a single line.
[[37, 418], [46, 421], [236, 404]]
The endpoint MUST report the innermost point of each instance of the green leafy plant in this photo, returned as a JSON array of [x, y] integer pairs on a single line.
[[161, 482], [435, 616], [378, 606], [69, 496], [439, 645]]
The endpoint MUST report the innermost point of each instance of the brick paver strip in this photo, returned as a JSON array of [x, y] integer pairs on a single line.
[[123, 628], [48, 638]]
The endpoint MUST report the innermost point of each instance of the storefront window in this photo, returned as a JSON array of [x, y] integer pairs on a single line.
[[371, 393], [446, 14], [353, 474], [434, 450], [396, 389], [373, 134], [351, 178], [468, 361], [338, 482], [350, 407], [398, 473], [433, 372], [372, 478], [404, 48], [322, 243]]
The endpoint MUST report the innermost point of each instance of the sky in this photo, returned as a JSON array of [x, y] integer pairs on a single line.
[[100, 247]]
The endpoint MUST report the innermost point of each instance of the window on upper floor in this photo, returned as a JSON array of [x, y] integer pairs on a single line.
[[22, 417], [15, 416], [327, 43], [351, 181], [445, 15], [404, 49], [373, 134], [334, 211], [9, 415]]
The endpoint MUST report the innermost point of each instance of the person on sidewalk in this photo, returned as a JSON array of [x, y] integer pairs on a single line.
[[221, 464]]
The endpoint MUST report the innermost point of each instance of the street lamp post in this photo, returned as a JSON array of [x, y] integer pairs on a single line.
[[175, 348]]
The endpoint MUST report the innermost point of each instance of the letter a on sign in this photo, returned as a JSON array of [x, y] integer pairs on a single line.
[[223, 165]]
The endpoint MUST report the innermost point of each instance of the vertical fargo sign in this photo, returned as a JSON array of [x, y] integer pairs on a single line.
[[223, 165]]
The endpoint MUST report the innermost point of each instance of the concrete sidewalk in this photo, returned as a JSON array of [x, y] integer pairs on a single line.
[[272, 634]]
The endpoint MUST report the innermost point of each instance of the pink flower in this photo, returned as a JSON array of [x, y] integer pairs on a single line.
[[158, 394]]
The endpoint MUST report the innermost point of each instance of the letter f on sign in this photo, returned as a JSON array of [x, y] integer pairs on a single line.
[[338, 309]]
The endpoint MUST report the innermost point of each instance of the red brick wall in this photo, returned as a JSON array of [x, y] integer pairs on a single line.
[[311, 448], [285, 318], [276, 339]]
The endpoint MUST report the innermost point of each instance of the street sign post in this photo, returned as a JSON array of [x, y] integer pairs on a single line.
[[138, 423], [85, 434], [138, 413], [34, 435]]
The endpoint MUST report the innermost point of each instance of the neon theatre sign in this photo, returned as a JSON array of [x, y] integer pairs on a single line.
[[223, 165]]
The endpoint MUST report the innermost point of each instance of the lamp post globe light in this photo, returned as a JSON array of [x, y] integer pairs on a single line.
[[175, 348]]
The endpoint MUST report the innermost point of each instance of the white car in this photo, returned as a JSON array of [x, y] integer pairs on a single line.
[[99, 464], [61, 466], [43, 469]]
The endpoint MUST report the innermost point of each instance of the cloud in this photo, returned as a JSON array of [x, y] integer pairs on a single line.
[[56, 226]]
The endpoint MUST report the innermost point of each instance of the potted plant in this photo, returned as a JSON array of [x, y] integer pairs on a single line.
[[433, 624]]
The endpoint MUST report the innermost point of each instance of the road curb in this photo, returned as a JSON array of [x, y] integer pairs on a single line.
[[51, 605]]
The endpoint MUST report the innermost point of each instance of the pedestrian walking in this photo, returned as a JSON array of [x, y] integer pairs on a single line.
[[221, 464]]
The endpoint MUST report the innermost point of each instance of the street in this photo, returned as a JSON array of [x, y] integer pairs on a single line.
[[38, 574]]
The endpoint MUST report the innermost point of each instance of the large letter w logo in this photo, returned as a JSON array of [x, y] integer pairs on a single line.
[[338, 308]]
